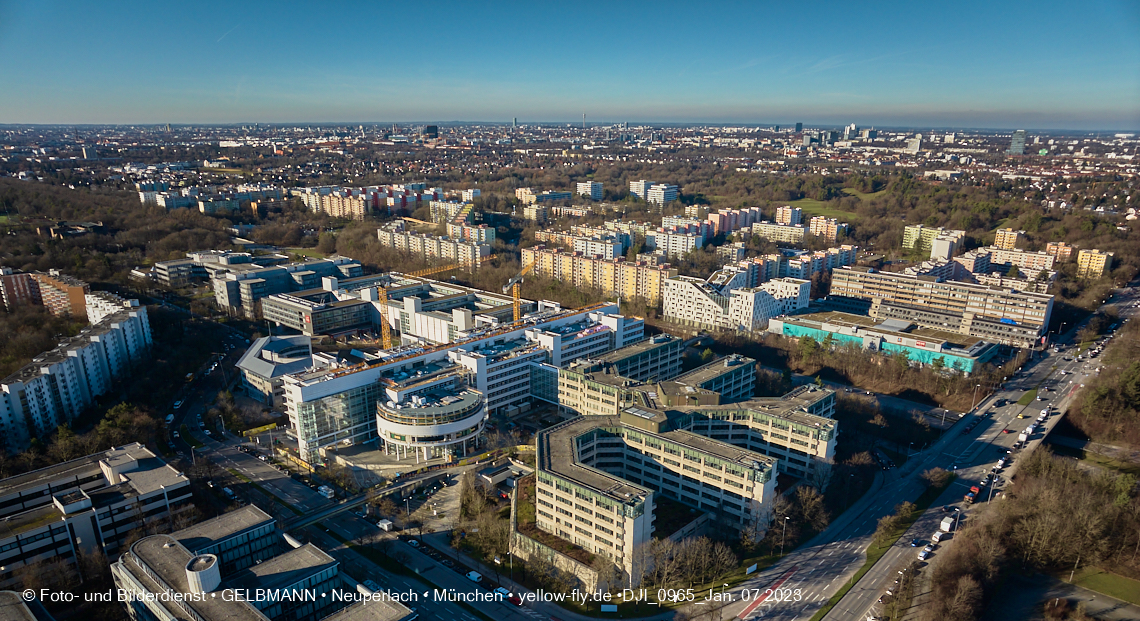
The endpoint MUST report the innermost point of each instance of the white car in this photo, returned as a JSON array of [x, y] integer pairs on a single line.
[[474, 576], [501, 591]]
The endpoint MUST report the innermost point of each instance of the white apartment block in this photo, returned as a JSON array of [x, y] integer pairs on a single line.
[[470, 194], [810, 263], [674, 244], [827, 228], [726, 302], [787, 233], [101, 304], [789, 215], [640, 189], [60, 384], [431, 247], [662, 193], [590, 189], [608, 248]]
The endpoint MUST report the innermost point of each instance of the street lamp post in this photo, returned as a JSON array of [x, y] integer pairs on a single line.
[[975, 399], [784, 537]]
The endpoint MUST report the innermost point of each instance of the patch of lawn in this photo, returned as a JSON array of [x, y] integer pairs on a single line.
[[189, 439], [1028, 397], [1110, 584], [1097, 459], [306, 252], [898, 458], [813, 207], [863, 196]]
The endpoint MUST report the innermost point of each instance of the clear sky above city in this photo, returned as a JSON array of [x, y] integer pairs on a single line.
[[993, 64]]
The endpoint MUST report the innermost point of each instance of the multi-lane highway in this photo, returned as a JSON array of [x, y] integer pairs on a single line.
[[809, 576]]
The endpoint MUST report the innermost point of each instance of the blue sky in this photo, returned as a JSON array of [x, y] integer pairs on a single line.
[[1073, 65]]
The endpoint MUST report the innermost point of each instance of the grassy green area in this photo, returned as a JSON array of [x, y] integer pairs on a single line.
[[1097, 459], [875, 553], [813, 207], [306, 252], [244, 479], [1028, 397], [863, 196], [898, 458], [189, 439], [3, 219], [1112, 585]]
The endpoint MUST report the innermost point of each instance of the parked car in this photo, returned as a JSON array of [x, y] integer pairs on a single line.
[[474, 576]]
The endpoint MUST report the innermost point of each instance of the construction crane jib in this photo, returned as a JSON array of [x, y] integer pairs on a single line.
[[514, 286]]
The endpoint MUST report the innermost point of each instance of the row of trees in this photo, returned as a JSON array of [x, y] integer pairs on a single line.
[[1108, 409], [1055, 516]]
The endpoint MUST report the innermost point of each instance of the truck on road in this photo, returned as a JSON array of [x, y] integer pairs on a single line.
[[972, 494], [947, 524]]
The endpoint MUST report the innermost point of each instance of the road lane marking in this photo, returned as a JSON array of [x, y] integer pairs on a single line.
[[775, 585]]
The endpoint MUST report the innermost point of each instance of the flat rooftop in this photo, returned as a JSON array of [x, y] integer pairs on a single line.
[[14, 608], [88, 465], [167, 559], [375, 610], [863, 322], [560, 457], [557, 455], [715, 369], [205, 534], [790, 407], [654, 342], [283, 570]]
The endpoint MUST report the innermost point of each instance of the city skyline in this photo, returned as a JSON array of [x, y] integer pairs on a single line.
[[1014, 65]]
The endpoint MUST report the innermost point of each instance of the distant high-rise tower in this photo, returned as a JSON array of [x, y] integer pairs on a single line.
[[515, 123], [583, 120], [431, 131], [1017, 143], [799, 127]]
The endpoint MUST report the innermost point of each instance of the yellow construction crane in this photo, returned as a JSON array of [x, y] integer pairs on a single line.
[[431, 271], [514, 285], [385, 329]]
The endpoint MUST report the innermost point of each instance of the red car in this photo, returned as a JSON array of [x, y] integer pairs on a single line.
[[514, 599], [1007, 431]]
